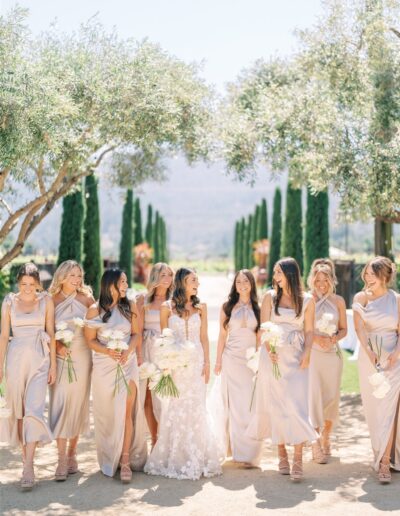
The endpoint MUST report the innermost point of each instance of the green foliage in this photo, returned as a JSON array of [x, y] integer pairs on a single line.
[[276, 235], [157, 243], [236, 246], [292, 244], [126, 244], [92, 262], [71, 232], [149, 225], [250, 237], [137, 229], [317, 228], [262, 223], [245, 245]]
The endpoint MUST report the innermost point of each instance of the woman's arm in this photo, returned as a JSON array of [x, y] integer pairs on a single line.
[[309, 321], [205, 342], [342, 323], [50, 326], [395, 354], [5, 334], [221, 342], [91, 337], [165, 312], [360, 329]]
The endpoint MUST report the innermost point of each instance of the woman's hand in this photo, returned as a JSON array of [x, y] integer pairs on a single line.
[[372, 356], [324, 342], [114, 354], [52, 376], [392, 359], [217, 368], [274, 357], [206, 372], [139, 359], [61, 350], [305, 359], [124, 356]]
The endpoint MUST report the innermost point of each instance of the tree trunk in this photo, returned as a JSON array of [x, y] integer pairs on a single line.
[[384, 239]]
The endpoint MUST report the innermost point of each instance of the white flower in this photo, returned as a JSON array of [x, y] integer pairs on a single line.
[[325, 325], [118, 335], [253, 359], [3, 402], [250, 352], [61, 325], [122, 345], [147, 370], [382, 390], [106, 334], [5, 413], [78, 321], [113, 344], [377, 379], [131, 294], [59, 335], [68, 336], [155, 379], [271, 333], [167, 332]]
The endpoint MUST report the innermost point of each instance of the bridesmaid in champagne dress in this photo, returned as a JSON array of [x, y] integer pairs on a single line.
[[186, 447], [30, 365], [159, 290], [239, 325], [326, 363], [377, 323], [281, 404], [117, 412], [69, 401]]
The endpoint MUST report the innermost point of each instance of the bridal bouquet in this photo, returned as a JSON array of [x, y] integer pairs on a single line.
[[169, 357], [326, 326], [4, 411], [253, 361], [65, 336], [115, 341], [378, 379], [273, 334]]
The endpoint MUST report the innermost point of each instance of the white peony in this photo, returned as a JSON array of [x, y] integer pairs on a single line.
[[167, 332], [147, 370], [59, 335], [382, 390], [377, 379], [325, 325], [78, 321], [271, 332], [106, 334], [113, 344], [253, 359], [153, 381], [68, 336], [3, 402], [61, 326], [131, 294], [122, 345], [118, 335]]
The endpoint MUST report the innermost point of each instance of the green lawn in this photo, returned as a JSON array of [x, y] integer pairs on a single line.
[[350, 375]]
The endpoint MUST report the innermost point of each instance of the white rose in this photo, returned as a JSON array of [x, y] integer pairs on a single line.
[[106, 334], [68, 336], [59, 335], [118, 335], [376, 379], [79, 322], [3, 402], [328, 317], [131, 294], [147, 370], [61, 326], [250, 352], [167, 332], [382, 390], [122, 345], [112, 344]]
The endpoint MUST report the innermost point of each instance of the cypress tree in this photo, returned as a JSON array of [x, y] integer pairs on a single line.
[[242, 226], [250, 236], [149, 224], [317, 228], [92, 263], [257, 216], [245, 245], [71, 232], [292, 244], [262, 228], [138, 231], [164, 256], [126, 244], [276, 235], [236, 246], [156, 239]]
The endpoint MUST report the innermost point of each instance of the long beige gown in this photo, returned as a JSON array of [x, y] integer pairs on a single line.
[[237, 384], [151, 331], [281, 405], [325, 372], [26, 373], [381, 320], [109, 410], [69, 402]]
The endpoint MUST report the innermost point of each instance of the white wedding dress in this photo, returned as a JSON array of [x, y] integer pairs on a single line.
[[186, 447]]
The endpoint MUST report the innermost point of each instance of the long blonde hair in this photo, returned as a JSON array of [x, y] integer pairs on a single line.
[[328, 269], [154, 281], [60, 275]]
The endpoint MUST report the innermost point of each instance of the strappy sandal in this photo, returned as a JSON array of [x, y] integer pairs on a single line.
[[296, 475], [317, 454], [283, 466], [61, 473], [126, 472], [28, 478], [72, 464], [384, 475], [326, 444]]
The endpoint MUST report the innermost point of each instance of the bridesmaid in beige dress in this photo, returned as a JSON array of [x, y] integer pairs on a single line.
[[30, 365], [281, 404], [326, 363], [118, 416], [239, 325], [69, 402], [377, 323], [159, 290]]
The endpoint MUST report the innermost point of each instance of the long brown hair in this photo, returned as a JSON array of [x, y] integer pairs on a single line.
[[291, 271], [233, 298], [110, 278], [179, 293], [383, 268]]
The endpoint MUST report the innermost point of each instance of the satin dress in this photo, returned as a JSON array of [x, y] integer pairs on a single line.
[[325, 372], [281, 405], [69, 402], [26, 374], [381, 319], [186, 447], [109, 409]]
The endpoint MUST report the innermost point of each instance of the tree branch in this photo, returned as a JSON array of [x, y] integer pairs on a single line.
[[3, 176], [39, 174], [6, 205], [395, 31]]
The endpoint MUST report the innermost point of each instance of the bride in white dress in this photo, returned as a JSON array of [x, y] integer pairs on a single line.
[[186, 447]]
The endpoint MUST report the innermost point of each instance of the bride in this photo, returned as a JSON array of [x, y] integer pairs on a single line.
[[186, 447]]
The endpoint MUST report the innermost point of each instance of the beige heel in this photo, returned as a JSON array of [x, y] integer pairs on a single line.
[[126, 472], [317, 454], [384, 475], [28, 478], [61, 473], [72, 464], [284, 466], [296, 475]]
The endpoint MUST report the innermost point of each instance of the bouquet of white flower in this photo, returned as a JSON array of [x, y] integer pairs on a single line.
[[253, 361], [273, 335], [115, 341], [4, 411], [79, 322], [326, 326], [66, 336]]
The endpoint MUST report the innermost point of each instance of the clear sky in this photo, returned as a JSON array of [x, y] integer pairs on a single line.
[[227, 35]]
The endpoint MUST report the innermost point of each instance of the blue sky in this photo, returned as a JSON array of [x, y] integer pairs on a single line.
[[227, 35]]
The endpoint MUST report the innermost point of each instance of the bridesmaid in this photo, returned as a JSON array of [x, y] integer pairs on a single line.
[[118, 418], [159, 290], [281, 406], [30, 365], [239, 325], [326, 363], [69, 402], [377, 323]]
